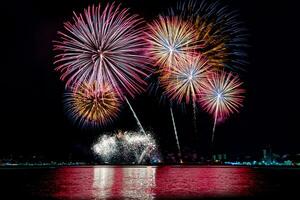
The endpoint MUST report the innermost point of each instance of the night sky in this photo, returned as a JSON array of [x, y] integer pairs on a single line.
[[33, 120]]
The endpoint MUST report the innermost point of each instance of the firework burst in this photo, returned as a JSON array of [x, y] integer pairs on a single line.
[[185, 79], [220, 35], [170, 39], [126, 146], [92, 104], [221, 95], [105, 45]]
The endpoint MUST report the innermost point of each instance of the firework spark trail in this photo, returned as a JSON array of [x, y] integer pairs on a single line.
[[221, 96], [143, 154], [135, 116], [175, 131], [141, 129], [146, 140], [104, 44], [171, 40], [195, 116], [215, 119], [184, 81]]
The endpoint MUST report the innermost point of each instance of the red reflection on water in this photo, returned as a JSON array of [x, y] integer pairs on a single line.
[[203, 182], [116, 189], [73, 183], [152, 182]]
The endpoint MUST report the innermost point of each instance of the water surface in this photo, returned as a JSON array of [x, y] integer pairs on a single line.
[[163, 182]]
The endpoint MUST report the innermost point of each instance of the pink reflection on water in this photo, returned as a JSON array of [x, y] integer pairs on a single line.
[[203, 182], [73, 183], [152, 182]]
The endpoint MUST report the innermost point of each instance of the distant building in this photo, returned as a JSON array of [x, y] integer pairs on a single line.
[[220, 157], [214, 157], [267, 155]]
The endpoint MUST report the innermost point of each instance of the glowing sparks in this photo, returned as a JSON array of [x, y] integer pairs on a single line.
[[221, 36], [106, 146], [221, 95], [93, 105], [170, 39], [184, 80], [103, 56], [105, 45], [125, 147]]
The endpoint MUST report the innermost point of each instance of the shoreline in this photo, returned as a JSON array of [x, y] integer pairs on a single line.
[[185, 165]]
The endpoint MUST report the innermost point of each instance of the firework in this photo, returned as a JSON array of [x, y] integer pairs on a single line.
[[105, 147], [105, 45], [135, 117], [185, 79], [170, 39], [92, 104], [222, 38], [125, 147], [221, 95]]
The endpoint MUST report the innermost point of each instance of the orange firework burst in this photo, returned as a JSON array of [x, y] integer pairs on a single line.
[[92, 104], [221, 36], [170, 39], [185, 79], [211, 46]]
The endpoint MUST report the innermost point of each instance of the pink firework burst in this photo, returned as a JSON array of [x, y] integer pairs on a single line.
[[185, 79], [106, 45], [221, 95]]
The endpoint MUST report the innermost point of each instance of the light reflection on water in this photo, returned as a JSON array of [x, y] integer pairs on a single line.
[[102, 182], [138, 182], [124, 182], [133, 182], [153, 182]]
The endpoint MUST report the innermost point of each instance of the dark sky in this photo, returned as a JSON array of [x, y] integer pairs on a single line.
[[33, 120]]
